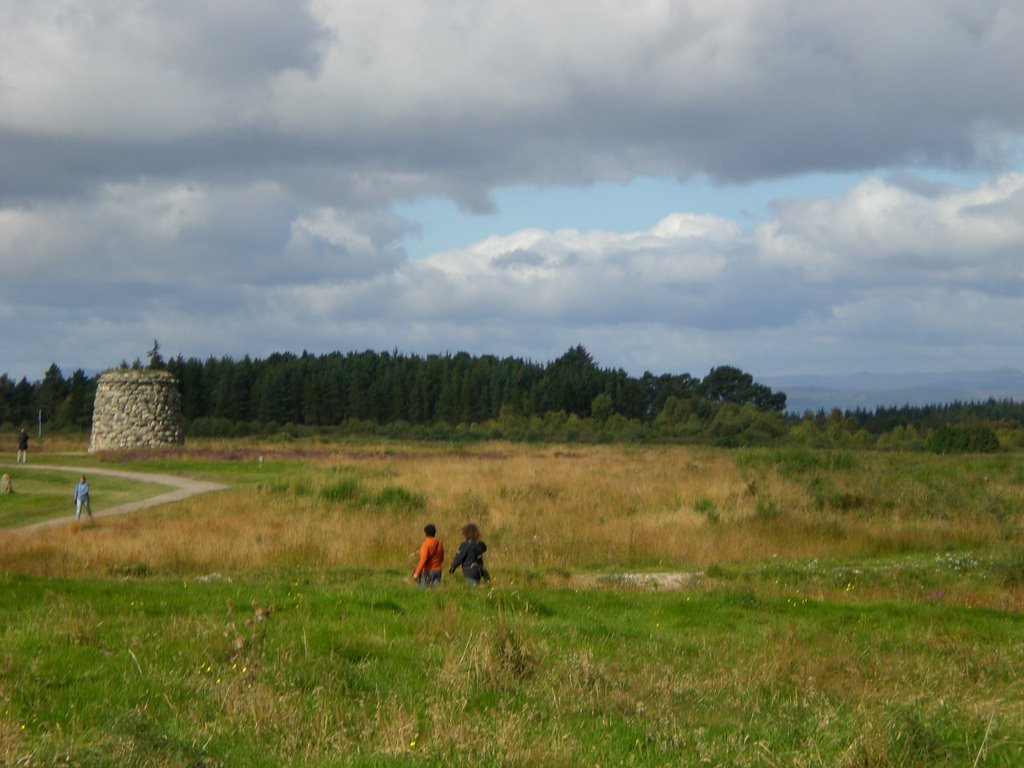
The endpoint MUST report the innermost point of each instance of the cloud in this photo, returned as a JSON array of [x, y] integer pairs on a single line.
[[882, 234], [868, 276], [120, 70], [226, 176], [939, 264], [463, 97]]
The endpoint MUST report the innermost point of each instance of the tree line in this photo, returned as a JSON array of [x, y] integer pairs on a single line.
[[389, 387], [570, 398]]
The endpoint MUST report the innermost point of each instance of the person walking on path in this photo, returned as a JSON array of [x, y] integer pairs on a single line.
[[471, 556], [428, 570], [82, 499], [22, 447]]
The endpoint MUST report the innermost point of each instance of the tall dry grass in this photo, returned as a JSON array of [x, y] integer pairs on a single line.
[[541, 508], [45, 444]]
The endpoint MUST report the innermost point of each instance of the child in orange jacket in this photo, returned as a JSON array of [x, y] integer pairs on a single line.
[[428, 570]]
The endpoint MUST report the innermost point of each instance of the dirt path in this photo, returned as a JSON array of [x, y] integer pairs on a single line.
[[183, 487]]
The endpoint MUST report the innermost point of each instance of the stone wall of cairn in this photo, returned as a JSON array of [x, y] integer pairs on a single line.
[[136, 409]]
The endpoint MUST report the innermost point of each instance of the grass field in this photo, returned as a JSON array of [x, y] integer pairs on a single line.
[[43, 494], [650, 606]]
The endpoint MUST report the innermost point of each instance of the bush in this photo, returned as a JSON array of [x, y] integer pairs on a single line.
[[214, 426], [343, 490], [767, 509], [398, 499], [827, 495], [1013, 571], [977, 438], [706, 507]]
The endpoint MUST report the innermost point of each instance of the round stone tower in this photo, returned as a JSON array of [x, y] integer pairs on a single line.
[[136, 409]]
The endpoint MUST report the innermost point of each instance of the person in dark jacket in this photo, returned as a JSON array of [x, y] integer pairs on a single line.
[[471, 556], [22, 447]]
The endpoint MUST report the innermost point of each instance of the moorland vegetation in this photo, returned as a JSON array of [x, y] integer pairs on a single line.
[[684, 574], [651, 605]]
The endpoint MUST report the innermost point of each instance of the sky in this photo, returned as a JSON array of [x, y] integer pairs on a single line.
[[788, 187]]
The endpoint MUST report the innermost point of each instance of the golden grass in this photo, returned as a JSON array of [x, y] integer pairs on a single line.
[[11, 738], [45, 445], [541, 509]]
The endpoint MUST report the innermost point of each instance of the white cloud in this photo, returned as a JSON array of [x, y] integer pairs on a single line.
[[563, 273], [881, 233], [939, 265]]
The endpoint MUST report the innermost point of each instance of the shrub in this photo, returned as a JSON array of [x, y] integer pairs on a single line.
[[977, 438], [827, 495], [398, 499], [767, 509], [209, 427], [796, 461], [706, 507], [1013, 571], [345, 489]]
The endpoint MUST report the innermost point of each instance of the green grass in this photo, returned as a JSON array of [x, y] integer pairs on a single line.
[[360, 669], [399, 499], [919, 484], [241, 470], [343, 490], [41, 494], [883, 660]]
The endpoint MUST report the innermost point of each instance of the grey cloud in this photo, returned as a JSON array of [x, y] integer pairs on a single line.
[[943, 303], [737, 91], [519, 258], [224, 172], [235, 40]]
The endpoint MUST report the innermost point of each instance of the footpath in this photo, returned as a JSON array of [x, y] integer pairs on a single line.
[[182, 488]]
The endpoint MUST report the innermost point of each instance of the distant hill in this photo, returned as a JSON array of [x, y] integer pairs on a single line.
[[873, 390]]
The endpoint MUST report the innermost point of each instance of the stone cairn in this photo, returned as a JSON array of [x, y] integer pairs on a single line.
[[136, 409]]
